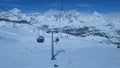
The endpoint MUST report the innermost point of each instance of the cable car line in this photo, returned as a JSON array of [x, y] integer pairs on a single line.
[[54, 31], [61, 14], [40, 39]]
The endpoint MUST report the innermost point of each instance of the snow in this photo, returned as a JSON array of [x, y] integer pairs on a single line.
[[72, 18], [15, 11], [19, 49]]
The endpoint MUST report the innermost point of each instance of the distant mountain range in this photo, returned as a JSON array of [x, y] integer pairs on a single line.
[[70, 22]]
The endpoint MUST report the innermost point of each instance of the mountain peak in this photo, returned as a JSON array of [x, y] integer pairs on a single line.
[[15, 11], [97, 14]]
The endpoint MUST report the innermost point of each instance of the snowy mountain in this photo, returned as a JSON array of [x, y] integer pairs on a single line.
[[86, 40], [69, 18], [19, 49], [70, 22]]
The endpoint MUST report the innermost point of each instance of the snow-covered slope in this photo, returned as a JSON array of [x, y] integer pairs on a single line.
[[19, 49]]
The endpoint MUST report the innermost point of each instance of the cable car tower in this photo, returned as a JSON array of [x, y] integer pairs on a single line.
[[41, 39], [52, 43], [53, 55]]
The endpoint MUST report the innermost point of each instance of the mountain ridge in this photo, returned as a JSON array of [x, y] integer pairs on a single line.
[[70, 22]]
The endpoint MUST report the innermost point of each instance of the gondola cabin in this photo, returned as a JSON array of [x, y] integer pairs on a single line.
[[40, 39]]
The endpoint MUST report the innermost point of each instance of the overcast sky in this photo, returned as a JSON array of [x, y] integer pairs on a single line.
[[103, 6]]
